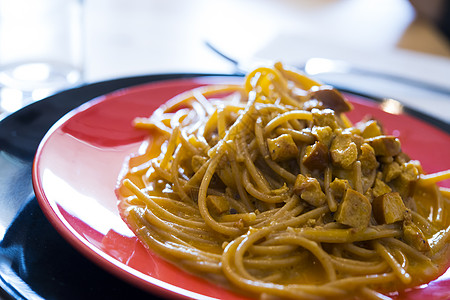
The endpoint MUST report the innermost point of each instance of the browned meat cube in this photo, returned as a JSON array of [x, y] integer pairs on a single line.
[[388, 208], [415, 237], [410, 171], [324, 117], [323, 134], [368, 158], [343, 151], [308, 188], [282, 147], [379, 187], [369, 165], [385, 145], [356, 138], [404, 183], [369, 129], [316, 156], [338, 187], [391, 171], [402, 158], [331, 98], [354, 210]]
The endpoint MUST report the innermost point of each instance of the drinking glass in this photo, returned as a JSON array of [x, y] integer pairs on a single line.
[[41, 49]]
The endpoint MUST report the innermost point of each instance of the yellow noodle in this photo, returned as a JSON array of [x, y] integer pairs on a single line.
[[177, 188], [347, 235], [170, 148], [185, 233], [209, 220], [201, 266], [405, 248], [256, 175], [332, 204], [300, 136], [359, 251], [315, 248], [290, 115], [258, 194], [189, 146], [174, 205], [169, 215], [439, 215], [358, 177], [178, 117], [445, 192], [272, 250], [401, 257], [357, 281], [303, 81], [439, 240], [239, 186], [274, 263], [358, 267], [429, 179], [155, 171], [393, 263], [180, 250]]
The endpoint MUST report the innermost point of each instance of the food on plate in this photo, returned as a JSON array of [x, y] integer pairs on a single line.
[[268, 188]]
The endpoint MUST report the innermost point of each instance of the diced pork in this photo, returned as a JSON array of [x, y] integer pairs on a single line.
[[369, 165], [367, 158], [380, 188], [324, 117], [385, 145], [354, 210], [388, 208], [391, 171], [370, 129], [331, 98], [323, 134], [282, 147], [308, 188], [404, 183], [316, 156], [343, 150], [339, 187]]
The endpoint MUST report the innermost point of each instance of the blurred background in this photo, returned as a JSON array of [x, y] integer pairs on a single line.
[[406, 39], [128, 37]]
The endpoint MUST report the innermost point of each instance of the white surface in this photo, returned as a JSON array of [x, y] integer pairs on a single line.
[[142, 36]]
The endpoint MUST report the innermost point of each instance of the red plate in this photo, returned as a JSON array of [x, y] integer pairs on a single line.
[[78, 162]]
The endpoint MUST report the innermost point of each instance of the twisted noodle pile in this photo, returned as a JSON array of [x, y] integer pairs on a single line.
[[269, 187]]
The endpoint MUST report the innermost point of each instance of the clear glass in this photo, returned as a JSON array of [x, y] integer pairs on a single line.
[[41, 49]]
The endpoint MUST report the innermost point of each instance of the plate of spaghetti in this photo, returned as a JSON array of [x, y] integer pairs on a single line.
[[270, 186]]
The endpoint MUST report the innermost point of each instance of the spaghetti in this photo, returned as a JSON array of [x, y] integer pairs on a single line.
[[269, 187]]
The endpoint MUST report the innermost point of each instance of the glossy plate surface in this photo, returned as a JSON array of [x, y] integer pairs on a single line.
[[78, 162]]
